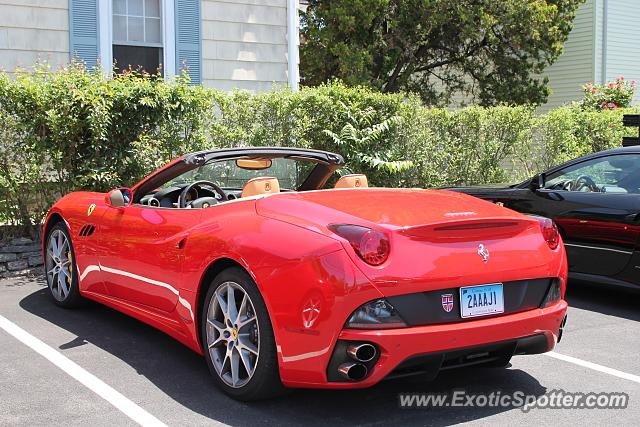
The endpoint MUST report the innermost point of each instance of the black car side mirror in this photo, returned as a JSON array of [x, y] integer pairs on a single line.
[[537, 182]]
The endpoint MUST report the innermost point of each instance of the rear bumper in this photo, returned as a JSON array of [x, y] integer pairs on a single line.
[[529, 332]]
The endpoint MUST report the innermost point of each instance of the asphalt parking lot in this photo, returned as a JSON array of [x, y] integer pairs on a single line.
[[171, 384]]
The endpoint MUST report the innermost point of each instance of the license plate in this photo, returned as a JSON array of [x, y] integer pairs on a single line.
[[482, 300]]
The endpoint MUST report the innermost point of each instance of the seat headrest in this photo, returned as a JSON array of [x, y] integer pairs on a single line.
[[355, 180], [260, 185]]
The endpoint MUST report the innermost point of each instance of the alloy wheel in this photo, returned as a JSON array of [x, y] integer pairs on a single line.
[[233, 338], [59, 266]]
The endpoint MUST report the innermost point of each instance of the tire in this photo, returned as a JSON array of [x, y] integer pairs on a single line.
[[248, 345], [61, 269]]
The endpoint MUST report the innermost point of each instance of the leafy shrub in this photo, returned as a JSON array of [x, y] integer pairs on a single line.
[[75, 129], [611, 96], [360, 141]]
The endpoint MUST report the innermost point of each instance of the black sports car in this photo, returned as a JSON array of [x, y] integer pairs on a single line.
[[595, 201]]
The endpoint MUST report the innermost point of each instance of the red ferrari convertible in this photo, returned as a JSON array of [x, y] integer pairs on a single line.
[[243, 256]]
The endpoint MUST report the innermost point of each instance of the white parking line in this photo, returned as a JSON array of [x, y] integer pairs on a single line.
[[120, 402], [594, 366]]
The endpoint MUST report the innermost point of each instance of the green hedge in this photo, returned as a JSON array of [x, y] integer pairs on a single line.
[[75, 129]]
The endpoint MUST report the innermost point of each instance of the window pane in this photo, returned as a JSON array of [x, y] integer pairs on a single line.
[[120, 28], [152, 8], [613, 174], [136, 29], [135, 8], [153, 29], [137, 58], [120, 7]]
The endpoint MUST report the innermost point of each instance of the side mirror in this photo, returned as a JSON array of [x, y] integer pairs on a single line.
[[119, 198], [537, 182]]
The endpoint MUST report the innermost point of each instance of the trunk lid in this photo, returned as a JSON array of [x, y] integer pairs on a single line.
[[439, 239], [385, 207]]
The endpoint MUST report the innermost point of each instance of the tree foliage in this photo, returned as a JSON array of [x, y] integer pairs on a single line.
[[74, 129], [490, 51], [361, 141]]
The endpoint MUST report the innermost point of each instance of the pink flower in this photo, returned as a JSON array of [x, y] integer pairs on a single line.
[[621, 78], [619, 85], [611, 85], [633, 82]]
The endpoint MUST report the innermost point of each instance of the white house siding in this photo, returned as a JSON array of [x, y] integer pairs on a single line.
[[598, 41], [33, 31], [244, 44], [623, 41], [576, 65]]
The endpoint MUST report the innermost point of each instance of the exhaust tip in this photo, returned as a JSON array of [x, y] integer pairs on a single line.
[[353, 371], [362, 352]]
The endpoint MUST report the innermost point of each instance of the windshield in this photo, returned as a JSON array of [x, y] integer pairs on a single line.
[[291, 173]]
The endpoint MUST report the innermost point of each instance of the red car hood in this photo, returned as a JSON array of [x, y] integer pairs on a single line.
[[434, 234]]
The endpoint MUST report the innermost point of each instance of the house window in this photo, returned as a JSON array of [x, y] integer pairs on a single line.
[[137, 36]]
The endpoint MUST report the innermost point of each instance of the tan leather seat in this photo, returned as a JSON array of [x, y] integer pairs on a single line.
[[355, 180], [260, 185]]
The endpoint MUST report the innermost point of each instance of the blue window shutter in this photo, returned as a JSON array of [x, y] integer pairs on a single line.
[[83, 31], [188, 38]]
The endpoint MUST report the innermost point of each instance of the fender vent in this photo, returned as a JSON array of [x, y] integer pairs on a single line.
[[87, 230]]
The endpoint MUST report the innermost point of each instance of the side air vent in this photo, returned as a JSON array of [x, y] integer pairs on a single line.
[[87, 230]]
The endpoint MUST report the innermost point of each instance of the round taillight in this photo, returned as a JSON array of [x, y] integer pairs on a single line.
[[370, 245], [549, 231]]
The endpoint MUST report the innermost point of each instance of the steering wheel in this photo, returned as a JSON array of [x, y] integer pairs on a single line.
[[182, 203], [585, 181]]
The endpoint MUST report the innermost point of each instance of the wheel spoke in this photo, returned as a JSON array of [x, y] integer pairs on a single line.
[[59, 242], [217, 325], [246, 322], [217, 341], [53, 284], [63, 249], [62, 285], [66, 272], [222, 303], [246, 360], [248, 345], [235, 367], [232, 309], [241, 310], [54, 246], [224, 361]]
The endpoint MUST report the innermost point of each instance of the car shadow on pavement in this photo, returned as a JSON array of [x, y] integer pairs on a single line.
[[605, 299], [183, 376]]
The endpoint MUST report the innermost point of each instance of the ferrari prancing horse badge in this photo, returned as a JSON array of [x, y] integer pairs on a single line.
[[92, 206]]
